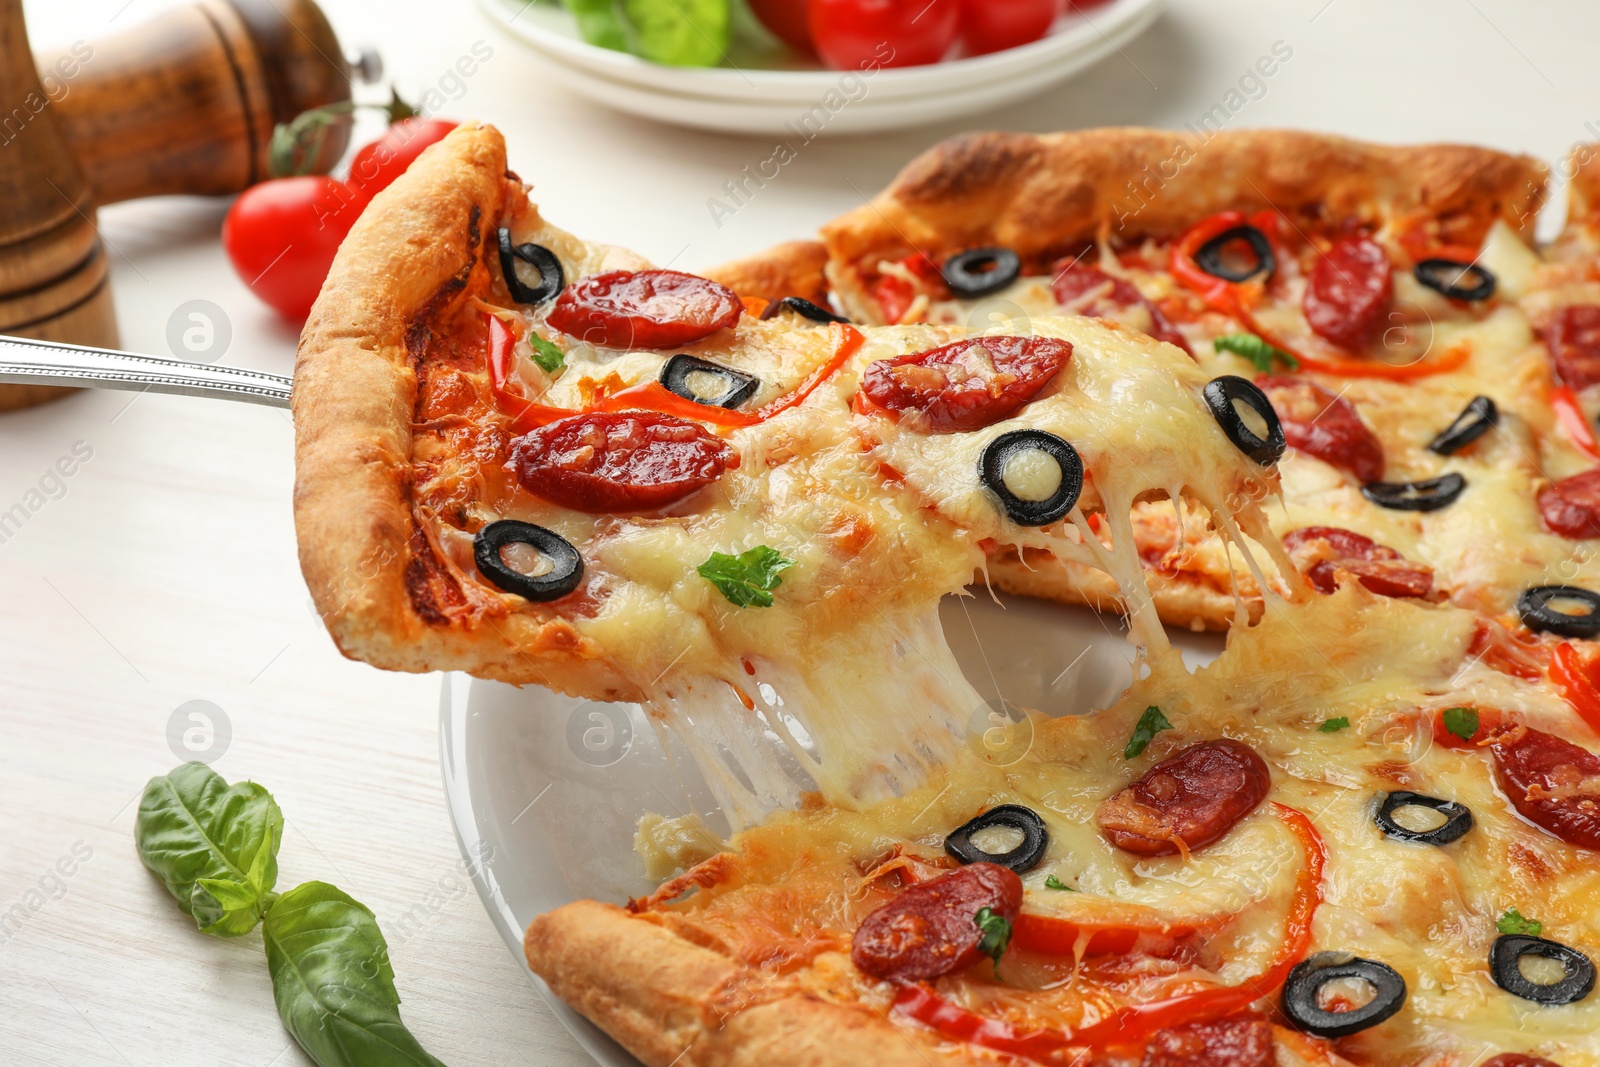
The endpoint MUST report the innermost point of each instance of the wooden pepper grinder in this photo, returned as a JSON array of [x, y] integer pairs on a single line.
[[53, 282], [186, 103], [183, 104]]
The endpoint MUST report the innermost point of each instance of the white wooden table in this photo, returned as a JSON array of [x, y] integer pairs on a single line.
[[163, 569]]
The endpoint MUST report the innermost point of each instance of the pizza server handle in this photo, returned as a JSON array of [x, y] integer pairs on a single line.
[[28, 362]]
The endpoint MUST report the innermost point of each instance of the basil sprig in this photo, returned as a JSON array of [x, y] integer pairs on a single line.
[[749, 578], [1150, 723], [215, 846], [1256, 350], [333, 982]]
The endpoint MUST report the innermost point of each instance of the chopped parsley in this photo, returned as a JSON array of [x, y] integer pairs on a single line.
[[549, 358], [1053, 882], [1150, 723], [1463, 722], [1333, 726], [1255, 350], [748, 579], [1513, 922], [996, 935]]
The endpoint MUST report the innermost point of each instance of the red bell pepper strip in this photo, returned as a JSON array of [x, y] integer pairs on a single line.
[[1579, 681], [1132, 1026], [528, 415], [1569, 413], [1235, 299]]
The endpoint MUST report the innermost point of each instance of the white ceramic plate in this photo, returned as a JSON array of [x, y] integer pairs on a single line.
[[766, 90], [544, 790]]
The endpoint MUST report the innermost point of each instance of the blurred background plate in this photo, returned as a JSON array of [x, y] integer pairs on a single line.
[[545, 790], [763, 88]]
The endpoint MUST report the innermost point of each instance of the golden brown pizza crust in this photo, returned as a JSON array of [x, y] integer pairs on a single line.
[[416, 253], [670, 1001], [1186, 600], [1583, 187], [794, 268], [1043, 195]]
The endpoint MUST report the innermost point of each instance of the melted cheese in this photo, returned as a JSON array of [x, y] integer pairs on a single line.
[[845, 686]]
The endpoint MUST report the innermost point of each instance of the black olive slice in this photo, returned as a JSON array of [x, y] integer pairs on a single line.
[[981, 271], [1505, 965], [1449, 276], [802, 307], [1457, 818], [1026, 821], [1211, 256], [1430, 495], [1223, 394], [1538, 615], [737, 386], [1300, 1002], [515, 258], [1476, 419], [992, 472], [566, 566]]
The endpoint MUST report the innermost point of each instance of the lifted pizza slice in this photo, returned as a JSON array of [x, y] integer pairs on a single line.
[[542, 460]]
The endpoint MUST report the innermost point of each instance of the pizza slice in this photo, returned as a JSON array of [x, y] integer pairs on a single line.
[[1348, 841], [541, 460], [1387, 299]]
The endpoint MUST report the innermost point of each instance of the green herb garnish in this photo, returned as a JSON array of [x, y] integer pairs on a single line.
[[1052, 882], [1463, 722], [549, 358], [1513, 922], [996, 935], [1255, 350], [215, 847], [1150, 723], [1333, 726], [748, 579]]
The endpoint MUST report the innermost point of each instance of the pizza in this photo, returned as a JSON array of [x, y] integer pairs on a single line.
[[1365, 834], [1432, 368]]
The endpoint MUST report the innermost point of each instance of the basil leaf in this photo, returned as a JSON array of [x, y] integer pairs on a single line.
[[333, 983], [1463, 722], [1333, 726], [1052, 882], [1513, 922], [748, 579], [1150, 723], [680, 33], [996, 935], [215, 846], [1255, 350], [549, 358], [600, 22]]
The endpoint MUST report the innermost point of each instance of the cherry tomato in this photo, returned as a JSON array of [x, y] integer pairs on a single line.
[[282, 234], [385, 159], [866, 34], [787, 19], [281, 237], [995, 25]]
